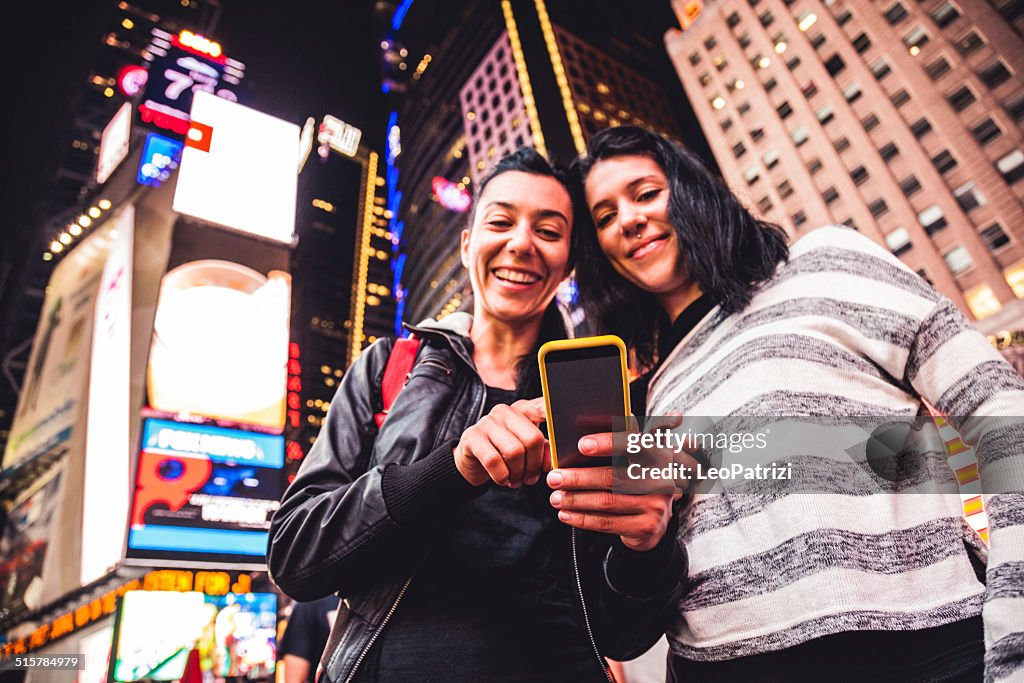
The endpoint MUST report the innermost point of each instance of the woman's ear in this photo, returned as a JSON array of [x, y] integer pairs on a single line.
[[464, 247]]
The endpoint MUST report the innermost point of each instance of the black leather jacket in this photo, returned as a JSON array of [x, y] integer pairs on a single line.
[[334, 533]]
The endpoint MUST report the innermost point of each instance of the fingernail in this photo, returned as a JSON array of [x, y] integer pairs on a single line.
[[556, 498], [554, 478], [533, 479], [564, 516], [587, 444]]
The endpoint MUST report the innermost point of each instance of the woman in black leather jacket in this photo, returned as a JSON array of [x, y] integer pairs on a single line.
[[437, 528]]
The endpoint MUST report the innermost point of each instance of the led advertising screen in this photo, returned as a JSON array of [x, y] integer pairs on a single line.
[[238, 169], [23, 547], [114, 142], [220, 343], [204, 494], [172, 83], [235, 635], [160, 156]]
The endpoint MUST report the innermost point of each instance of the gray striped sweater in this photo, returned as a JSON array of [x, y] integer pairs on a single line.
[[845, 328]]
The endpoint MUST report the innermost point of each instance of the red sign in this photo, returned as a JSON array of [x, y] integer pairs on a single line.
[[451, 196], [131, 79]]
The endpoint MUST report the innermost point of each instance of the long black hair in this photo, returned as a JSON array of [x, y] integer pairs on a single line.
[[553, 325], [728, 253]]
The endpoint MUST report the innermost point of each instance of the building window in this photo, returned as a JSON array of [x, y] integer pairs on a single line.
[[760, 61], [733, 20], [726, 124], [862, 43], [982, 301], [910, 185], [799, 218], [970, 42], [1011, 166], [734, 84], [814, 165], [986, 131], [921, 127], [859, 175], [850, 223], [785, 189], [771, 159], [806, 19], [709, 43], [852, 92], [752, 174], [817, 40], [961, 98], [870, 122], [932, 219], [743, 108], [784, 110], [916, 39], [896, 13], [880, 68], [765, 204], [944, 161], [780, 42], [1016, 109], [878, 208], [842, 144], [1012, 10], [938, 68], [899, 98], [739, 149], [793, 63], [809, 89], [945, 14], [994, 237], [826, 114], [1015, 278], [767, 18], [834, 65], [770, 84], [744, 40], [898, 241], [720, 62], [830, 195], [969, 197], [705, 78], [800, 135], [695, 58], [958, 260], [844, 17], [889, 151], [995, 74]]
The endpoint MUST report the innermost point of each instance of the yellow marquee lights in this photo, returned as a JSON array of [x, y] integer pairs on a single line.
[[75, 229], [93, 212], [56, 247], [200, 43], [104, 204], [65, 238], [323, 205], [359, 305], [524, 79], [560, 78]]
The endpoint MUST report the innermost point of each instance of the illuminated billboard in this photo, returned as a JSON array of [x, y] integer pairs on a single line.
[[450, 195], [238, 169], [220, 343], [114, 142], [204, 494], [233, 635], [160, 157], [339, 136]]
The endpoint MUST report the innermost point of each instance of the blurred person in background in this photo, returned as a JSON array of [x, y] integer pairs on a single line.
[[309, 625]]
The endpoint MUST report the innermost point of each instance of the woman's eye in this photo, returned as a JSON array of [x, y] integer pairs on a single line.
[[549, 234], [648, 195], [499, 223], [603, 219]]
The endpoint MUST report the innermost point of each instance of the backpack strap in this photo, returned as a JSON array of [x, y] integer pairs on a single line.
[[396, 373]]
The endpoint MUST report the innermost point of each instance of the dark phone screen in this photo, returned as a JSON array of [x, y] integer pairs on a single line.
[[585, 391]]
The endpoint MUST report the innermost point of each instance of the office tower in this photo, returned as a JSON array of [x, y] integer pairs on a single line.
[[901, 119]]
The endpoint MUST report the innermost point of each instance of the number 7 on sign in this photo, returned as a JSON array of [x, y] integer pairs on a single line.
[[178, 83]]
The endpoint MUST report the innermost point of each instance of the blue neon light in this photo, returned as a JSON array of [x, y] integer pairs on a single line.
[[160, 156], [226, 541], [396, 20]]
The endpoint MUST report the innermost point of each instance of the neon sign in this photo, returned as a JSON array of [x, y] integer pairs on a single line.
[[160, 157], [201, 44], [450, 195], [131, 79]]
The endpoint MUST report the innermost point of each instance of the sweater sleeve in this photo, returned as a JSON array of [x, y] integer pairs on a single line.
[[954, 367]]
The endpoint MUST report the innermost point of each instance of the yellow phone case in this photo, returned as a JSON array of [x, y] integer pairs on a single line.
[[580, 343]]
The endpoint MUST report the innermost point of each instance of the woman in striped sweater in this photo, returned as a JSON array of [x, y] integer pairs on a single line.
[[729, 321]]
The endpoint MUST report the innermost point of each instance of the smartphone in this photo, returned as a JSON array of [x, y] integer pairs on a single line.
[[586, 386]]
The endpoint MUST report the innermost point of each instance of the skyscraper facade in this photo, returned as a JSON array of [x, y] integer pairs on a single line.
[[901, 119]]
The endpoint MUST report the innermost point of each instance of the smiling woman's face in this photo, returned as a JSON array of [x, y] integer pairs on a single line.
[[628, 201], [517, 250]]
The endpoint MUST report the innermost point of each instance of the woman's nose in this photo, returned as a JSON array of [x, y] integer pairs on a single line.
[[520, 240], [631, 219]]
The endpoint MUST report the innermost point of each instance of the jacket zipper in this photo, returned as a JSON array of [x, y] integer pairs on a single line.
[[405, 586], [437, 364], [586, 616]]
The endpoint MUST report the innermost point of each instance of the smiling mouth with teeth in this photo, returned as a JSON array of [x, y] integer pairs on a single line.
[[515, 276]]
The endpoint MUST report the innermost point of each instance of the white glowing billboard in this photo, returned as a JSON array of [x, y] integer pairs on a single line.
[[114, 142], [238, 169]]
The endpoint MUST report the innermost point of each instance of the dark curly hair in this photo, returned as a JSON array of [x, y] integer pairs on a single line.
[[727, 251]]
